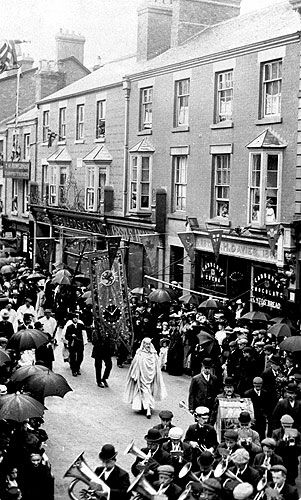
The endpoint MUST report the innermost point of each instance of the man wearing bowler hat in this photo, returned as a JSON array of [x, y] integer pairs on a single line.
[[289, 405], [6, 327], [111, 474], [203, 387], [155, 456]]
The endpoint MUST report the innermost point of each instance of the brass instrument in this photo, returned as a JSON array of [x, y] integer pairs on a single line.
[[185, 493], [146, 458], [186, 469], [184, 406], [142, 487], [223, 465], [245, 435], [290, 435], [262, 483], [80, 470]]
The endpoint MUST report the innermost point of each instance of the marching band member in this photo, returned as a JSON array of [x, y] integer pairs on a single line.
[[211, 489], [116, 478], [288, 446], [165, 484], [156, 456], [279, 483], [201, 436], [164, 427], [247, 437], [180, 452], [229, 445], [241, 468], [243, 491], [267, 458], [205, 463]]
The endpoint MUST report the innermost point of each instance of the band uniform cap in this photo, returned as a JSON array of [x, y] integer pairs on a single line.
[[166, 414], [107, 452], [244, 417], [257, 380], [206, 458], [269, 442], [231, 434], [229, 381], [291, 388], [286, 419], [279, 468], [153, 435], [175, 433], [201, 410], [212, 485], [207, 362], [166, 469], [240, 456], [242, 491]]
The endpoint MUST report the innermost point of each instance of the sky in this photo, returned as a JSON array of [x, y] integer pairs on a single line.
[[109, 26]]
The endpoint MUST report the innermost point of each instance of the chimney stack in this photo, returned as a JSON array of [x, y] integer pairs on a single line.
[[68, 45], [154, 28], [296, 5]]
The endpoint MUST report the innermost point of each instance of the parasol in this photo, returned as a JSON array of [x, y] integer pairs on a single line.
[[4, 357], [19, 407], [35, 276], [207, 341], [7, 269], [255, 316], [26, 371], [47, 383], [291, 344], [27, 339], [161, 295], [62, 277], [210, 304], [280, 330]]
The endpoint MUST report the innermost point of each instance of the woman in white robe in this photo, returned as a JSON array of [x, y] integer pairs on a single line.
[[144, 383]]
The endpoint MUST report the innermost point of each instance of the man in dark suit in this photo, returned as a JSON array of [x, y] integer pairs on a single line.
[[201, 435], [6, 327], [103, 349], [261, 404], [164, 427], [203, 387], [288, 446], [279, 483], [113, 476], [242, 470], [165, 484], [155, 456], [288, 406], [74, 337], [272, 380], [180, 452], [267, 458]]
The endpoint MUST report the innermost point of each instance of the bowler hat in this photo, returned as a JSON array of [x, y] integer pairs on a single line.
[[291, 388], [207, 363], [107, 452], [206, 458], [229, 381], [153, 435], [244, 417]]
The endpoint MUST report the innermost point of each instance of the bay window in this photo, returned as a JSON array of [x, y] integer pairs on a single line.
[[140, 182], [57, 178]]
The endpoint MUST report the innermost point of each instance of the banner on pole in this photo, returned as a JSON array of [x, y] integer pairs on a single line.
[[151, 243], [188, 242], [273, 233], [113, 247], [216, 239]]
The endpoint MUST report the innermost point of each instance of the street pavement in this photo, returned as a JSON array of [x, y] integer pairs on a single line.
[[90, 416]]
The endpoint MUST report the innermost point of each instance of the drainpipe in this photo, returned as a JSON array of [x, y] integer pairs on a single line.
[[127, 91], [36, 152]]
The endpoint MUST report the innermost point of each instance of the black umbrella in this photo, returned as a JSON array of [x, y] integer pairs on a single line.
[[47, 383], [255, 316], [29, 338], [19, 407], [160, 296], [210, 304], [26, 371]]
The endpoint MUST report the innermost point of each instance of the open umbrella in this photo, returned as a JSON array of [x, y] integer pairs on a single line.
[[207, 341], [291, 344], [27, 339], [255, 316], [26, 371], [62, 277], [159, 296], [35, 276], [47, 383], [210, 304], [280, 330], [140, 291], [189, 298], [4, 357], [281, 319], [19, 407], [7, 269]]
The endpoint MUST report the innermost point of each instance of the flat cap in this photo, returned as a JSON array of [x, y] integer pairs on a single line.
[[231, 434], [240, 456], [175, 433], [166, 414], [243, 491], [279, 468], [257, 380], [270, 442], [166, 469], [212, 484], [286, 419]]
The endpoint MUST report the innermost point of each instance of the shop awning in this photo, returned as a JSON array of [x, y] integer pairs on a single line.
[[268, 139], [99, 154], [143, 146], [60, 155]]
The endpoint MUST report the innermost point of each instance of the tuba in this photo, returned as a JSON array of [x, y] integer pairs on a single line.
[[134, 450], [141, 486], [80, 470]]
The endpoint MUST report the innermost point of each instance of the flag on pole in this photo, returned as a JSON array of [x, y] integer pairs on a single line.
[[8, 55]]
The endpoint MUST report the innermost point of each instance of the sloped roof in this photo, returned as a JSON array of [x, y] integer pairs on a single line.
[[98, 154], [143, 146], [110, 73], [268, 139], [29, 115], [60, 155]]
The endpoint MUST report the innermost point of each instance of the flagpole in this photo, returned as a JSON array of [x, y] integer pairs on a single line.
[[17, 96]]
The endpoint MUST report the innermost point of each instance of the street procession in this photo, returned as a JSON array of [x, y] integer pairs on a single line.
[[150, 250]]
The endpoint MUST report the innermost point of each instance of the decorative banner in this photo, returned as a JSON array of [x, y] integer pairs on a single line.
[[216, 238], [113, 246], [273, 233], [110, 297], [188, 242], [151, 243], [45, 251]]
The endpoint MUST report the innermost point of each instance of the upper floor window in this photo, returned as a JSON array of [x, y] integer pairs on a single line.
[[221, 165], [146, 108], [180, 182], [264, 186], [100, 119], [45, 125], [182, 102], [224, 98], [62, 124], [25, 197], [26, 147], [140, 182], [62, 188], [14, 196], [45, 183], [80, 122], [95, 183], [271, 88]]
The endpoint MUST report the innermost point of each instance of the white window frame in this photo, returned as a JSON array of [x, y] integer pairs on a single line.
[[96, 179], [80, 119], [52, 176], [179, 166], [45, 125], [223, 184], [26, 147], [45, 183], [25, 200], [224, 96], [265, 192], [137, 183], [181, 116], [62, 123], [100, 118], [57, 191], [271, 103], [146, 108], [14, 197]]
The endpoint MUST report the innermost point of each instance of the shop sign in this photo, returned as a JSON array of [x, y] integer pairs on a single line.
[[212, 272], [16, 169], [241, 250], [267, 290], [127, 233]]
